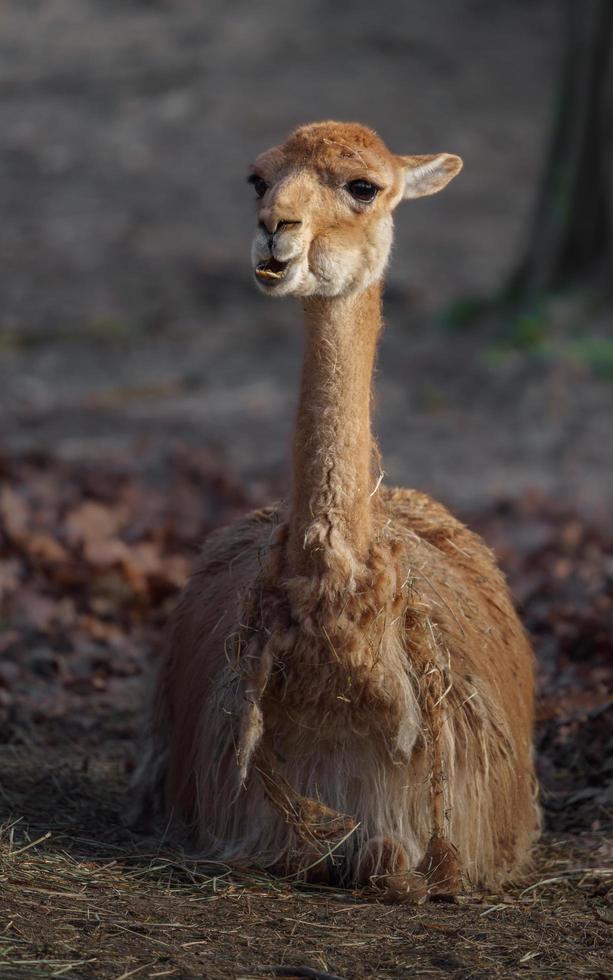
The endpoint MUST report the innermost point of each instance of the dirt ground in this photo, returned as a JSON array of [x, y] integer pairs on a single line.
[[147, 393], [97, 903]]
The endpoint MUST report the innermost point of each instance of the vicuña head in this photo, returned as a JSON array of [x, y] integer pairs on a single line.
[[325, 203]]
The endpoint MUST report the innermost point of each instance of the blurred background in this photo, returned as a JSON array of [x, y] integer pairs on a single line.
[[147, 393], [128, 321]]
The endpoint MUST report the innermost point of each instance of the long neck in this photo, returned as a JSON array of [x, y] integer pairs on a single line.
[[333, 445]]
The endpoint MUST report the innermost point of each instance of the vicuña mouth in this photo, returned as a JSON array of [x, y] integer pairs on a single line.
[[271, 270]]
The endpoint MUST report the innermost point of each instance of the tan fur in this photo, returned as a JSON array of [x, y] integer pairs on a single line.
[[346, 691]]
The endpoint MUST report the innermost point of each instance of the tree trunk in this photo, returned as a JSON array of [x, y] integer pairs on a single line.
[[571, 241]]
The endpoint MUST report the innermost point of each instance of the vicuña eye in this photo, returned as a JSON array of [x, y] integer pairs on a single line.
[[362, 190], [259, 184]]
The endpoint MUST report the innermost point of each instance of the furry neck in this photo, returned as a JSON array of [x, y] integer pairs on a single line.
[[333, 473]]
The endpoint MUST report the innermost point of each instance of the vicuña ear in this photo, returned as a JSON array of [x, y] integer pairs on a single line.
[[429, 174]]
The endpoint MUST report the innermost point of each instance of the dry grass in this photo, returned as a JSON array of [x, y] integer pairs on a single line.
[[81, 897]]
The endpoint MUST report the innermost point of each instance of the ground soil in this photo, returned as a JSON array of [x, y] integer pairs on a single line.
[[95, 902]]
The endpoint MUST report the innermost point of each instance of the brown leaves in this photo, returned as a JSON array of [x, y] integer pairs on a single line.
[[13, 513], [89, 558], [92, 525]]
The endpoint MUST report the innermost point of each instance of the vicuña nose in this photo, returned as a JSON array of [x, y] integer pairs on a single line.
[[270, 226]]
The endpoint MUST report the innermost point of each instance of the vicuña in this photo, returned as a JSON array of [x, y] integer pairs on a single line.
[[346, 693]]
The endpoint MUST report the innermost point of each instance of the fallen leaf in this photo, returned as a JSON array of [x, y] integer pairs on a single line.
[[92, 523], [13, 513]]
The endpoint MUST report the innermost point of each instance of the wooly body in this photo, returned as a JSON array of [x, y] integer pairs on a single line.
[[346, 692]]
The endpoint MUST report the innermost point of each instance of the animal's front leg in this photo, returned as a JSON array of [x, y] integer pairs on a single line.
[[441, 868], [384, 864]]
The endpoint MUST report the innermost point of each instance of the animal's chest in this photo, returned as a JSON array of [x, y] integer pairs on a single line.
[[342, 676], [324, 650]]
